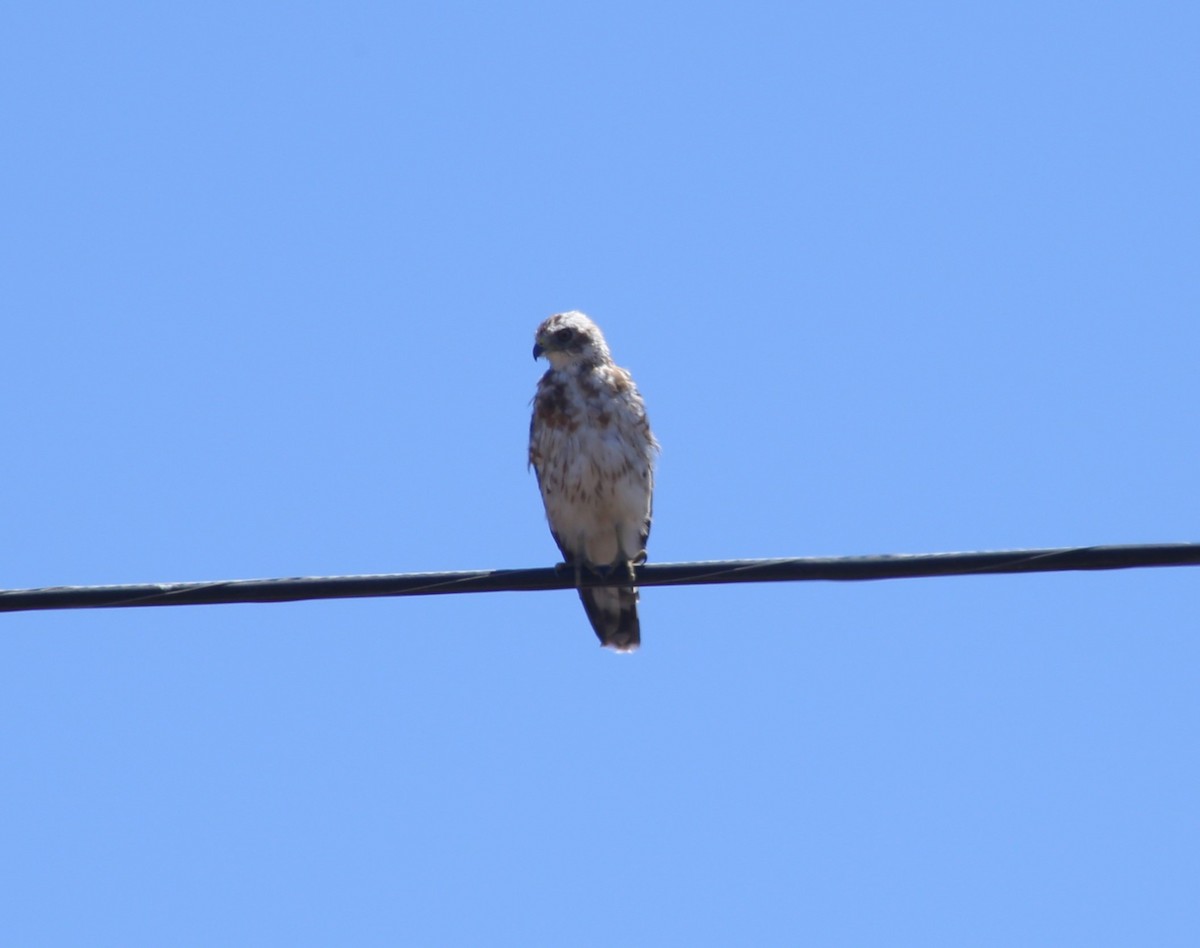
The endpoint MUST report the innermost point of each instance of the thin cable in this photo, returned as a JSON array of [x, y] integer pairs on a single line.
[[837, 569]]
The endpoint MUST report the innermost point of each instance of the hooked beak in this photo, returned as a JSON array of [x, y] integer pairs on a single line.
[[538, 351]]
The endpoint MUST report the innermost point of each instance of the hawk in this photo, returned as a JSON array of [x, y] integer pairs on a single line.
[[591, 447]]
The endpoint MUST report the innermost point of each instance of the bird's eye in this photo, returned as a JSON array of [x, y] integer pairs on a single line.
[[563, 336]]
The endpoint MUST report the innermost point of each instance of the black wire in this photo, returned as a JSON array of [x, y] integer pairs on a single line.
[[840, 568]]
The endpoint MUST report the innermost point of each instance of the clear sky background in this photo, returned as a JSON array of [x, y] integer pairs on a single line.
[[891, 277]]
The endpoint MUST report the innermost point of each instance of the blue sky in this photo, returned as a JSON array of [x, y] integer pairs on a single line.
[[891, 277]]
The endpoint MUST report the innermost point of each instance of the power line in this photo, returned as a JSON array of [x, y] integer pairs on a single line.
[[837, 568]]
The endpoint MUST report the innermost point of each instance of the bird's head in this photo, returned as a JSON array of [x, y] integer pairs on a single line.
[[567, 339]]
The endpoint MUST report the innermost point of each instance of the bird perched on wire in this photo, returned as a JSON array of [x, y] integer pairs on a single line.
[[591, 446]]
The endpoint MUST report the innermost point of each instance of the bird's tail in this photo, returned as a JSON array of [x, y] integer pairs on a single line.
[[612, 610]]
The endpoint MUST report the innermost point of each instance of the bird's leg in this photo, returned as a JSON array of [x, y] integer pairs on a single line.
[[627, 563], [638, 559]]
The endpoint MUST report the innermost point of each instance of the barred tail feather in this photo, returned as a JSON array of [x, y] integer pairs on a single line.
[[612, 610]]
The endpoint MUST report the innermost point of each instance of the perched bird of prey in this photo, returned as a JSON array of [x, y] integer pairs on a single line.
[[591, 446]]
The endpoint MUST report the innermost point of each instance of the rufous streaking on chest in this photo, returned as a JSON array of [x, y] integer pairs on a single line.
[[591, 447]]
